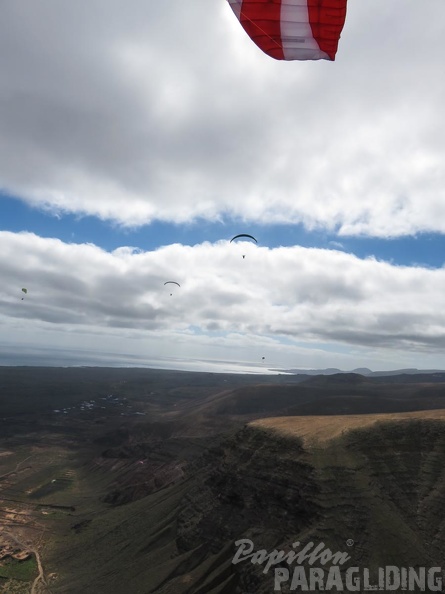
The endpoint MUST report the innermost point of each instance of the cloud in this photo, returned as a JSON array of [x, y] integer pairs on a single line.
[[167, 111], [294, 298]]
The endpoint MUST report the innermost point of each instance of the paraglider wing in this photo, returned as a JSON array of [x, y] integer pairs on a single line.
[[293, 29], [24, 290], [171, 283], [241, 236], [244, 235]]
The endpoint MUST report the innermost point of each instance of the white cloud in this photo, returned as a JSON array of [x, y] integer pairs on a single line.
[[291, 304], [167, 111]]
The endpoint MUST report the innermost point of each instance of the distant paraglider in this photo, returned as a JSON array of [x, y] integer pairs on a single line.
[[244, 236], [171, 283], [24, 291]]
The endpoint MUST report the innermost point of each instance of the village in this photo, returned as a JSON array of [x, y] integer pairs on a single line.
[[103, 403]]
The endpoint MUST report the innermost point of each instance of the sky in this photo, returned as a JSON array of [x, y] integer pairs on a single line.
[[137, 139]]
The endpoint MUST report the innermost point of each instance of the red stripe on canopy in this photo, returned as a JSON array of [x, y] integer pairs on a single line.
[[327, 18], [262, 22]]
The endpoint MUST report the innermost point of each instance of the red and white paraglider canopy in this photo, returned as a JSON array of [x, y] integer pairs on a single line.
[[293, 29]]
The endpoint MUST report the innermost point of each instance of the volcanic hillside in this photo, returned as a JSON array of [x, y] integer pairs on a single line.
[[146, 486], [381, 488]]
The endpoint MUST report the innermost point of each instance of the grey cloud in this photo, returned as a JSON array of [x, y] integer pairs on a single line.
[[167, 111], [332, 297]]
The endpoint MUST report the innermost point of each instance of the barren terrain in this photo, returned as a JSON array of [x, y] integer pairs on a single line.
[[131, 480]]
